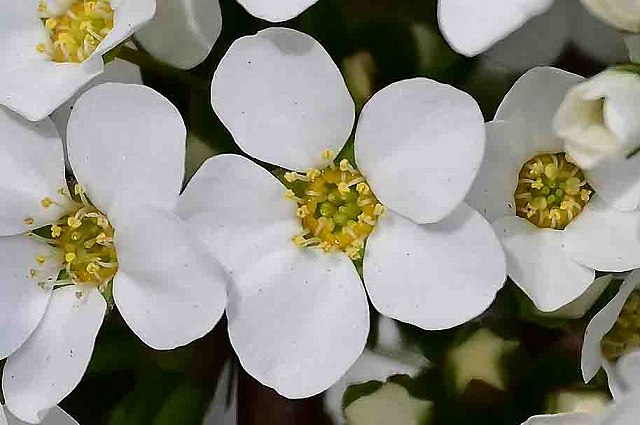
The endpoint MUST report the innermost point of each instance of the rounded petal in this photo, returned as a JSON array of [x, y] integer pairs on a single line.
[[55, 416], [577, 418], [618, 182], [129, 16], [627, 374], [276, 10], [51, 363], [182, 32], [601, 324], [579, 307], [282, 98], [420, 143], [603, 238], [472, 27], [167, 288], [540, 41], [31, 169], [537, 263], [434, 276], [624, 411], [492, 193], [126, 145], [298, 319], [253, 218], [22, 301], [622, 14], [532, 103], [116, 71]]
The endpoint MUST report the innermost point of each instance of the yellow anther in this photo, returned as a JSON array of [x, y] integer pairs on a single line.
[[102, 239], [290, 176], [46, 202], [537, 184], [303, 212], [69, 257], [327, 154], [585, 195], [554, 214], [92, 268], [345, 165], [313, 173], [41, 259], [343, 188], [56, 231], [537, 168], [572, 186], [29, 221], [74, 222], [78, 189], [551, 171], [299, 240], [33, 273], [51, 23], [42, 7], [379, 209], [290, 194], [41, 48], [89, 6], [353, 253], [539, 203], [363, 188]]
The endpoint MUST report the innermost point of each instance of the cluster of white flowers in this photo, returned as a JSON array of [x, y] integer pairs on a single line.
[[434, 205]]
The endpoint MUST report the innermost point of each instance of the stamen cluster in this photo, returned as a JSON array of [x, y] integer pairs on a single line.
[[624, 337], [336, 208], [551, 191], [75, 35]]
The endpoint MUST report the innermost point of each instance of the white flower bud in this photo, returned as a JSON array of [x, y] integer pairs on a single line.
[[622, 14], [599, 119]]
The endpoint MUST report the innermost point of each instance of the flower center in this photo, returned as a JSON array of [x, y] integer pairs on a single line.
[[625, 334], [75, 35], [551, 191], [84, 238], [336, 207]]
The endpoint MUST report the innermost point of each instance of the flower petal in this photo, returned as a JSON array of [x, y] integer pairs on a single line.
[[116, 71], [55, 416], [617, 182], [52, 361], [577, 418], [22, 301], [129, 16], [627, 374], [601, 324], [239, 211], [632, 41], [167, 288], [532, 103], [624, 411], [31, 169], [298, 319], [434, 276], [276, 10], [603, 238], [282, 98], [420, 143], [579, 307], [126, 145], [182, 32], [473, 27], [492, 193], [537, 263]]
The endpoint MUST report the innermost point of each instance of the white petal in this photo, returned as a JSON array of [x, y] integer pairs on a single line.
[[126, 146], [532, 103], [22, 301], [617, 182], [31, 169], [129, 16], [420, 143], [276, 10], [540, 41], [167, 288], [578, 307], [52, 361], [603, 238], [434, 276], [473, 27], [182, 32], [282, 98], [632, 42], [624, 411], [628, 369], [492, 193], [601, 324], [577, 418], [537, 263], [55, 416], [116, 71], [622, 14], [239, 211], [298, 319]]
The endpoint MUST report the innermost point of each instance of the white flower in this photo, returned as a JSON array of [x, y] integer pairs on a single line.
[[598, 119], [42, 63], [612, 340], [55, 416], [276, 10], [622, 14], [553, 224], [117, 224], [182, 32], [633, 45], [525, 38], [298, 317]]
